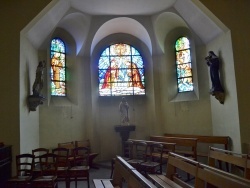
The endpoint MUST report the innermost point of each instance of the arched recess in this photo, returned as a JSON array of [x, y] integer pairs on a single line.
[[168, 28], [71, 76], [164, 23], [122, 25], [77, 25], [106, 107]]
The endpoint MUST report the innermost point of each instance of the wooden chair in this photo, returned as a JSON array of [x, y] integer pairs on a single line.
[[37, 153], [70, 146], [139, 154], [48, 178], [24, 169], [153, 165], [62, 164], [92, 155], [80, 170], [128, 154]]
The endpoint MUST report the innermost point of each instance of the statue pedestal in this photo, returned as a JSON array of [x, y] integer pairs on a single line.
[[124, 131], [34, 101]]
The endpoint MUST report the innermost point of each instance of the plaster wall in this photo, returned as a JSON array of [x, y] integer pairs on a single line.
[[14, 125], [225, 118], [192, 114], [240, 29], [29, 120]]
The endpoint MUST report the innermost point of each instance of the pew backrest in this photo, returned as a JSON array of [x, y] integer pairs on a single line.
[[125, 172], [204, 175], [218, 178], [190, 144], [180, 163], [224, 141], [167, 147], [233, 158]]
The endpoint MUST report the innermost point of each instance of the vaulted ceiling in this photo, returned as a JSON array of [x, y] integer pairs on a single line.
[[75, 17]]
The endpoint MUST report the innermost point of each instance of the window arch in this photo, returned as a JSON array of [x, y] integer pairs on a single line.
[[58, 67], [121, 71], [183, 65]]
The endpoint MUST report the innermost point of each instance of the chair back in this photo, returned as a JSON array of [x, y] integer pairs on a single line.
[[49, 164], [25, 164], [140, 150], [156, 149], [83, 143], [37, 153], [128, 149], [81, 156], [62, 156], [68, 145]]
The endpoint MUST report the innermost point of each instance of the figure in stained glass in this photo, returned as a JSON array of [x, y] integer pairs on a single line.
[[134, 76], [58, 70], [183, 65], [121, 71], [111, 75]]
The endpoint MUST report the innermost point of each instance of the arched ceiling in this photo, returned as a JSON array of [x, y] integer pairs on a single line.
[[77, 24], [164, 23], [75, 17], [121, 7], [122, 25]]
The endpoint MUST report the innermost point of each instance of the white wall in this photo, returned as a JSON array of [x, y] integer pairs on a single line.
[[225, 118], [29, 120]]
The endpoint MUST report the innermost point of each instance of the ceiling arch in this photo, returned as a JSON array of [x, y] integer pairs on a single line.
[[77, 24], [164, 23], [122, 25]]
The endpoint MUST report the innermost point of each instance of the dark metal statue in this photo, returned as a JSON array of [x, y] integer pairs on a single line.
[[37, 99], [214, 63]]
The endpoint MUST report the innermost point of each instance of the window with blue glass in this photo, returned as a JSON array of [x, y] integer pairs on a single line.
[[121, 71], [58, 67], [183, 65]]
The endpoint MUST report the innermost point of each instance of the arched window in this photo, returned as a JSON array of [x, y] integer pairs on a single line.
[[58, 67], [121, 71], [183, 65]]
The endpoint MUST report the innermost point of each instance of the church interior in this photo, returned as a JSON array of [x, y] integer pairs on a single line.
[[152, 28]]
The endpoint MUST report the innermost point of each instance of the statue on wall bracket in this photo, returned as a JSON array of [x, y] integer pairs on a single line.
[[36, 98], [214, 63]]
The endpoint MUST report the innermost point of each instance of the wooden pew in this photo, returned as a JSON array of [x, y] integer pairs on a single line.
[[168, 147], [176, 163], [230, 157], [204, 175], [184, 146], [212, 177], [124, 173], [205, 141]]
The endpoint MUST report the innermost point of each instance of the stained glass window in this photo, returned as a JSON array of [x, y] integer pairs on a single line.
[[121, 71], [183, 65], [58, 67]]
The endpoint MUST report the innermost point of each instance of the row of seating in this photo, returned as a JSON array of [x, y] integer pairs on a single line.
[[83, 143], [203, 175], [45, 168], [145, 156], [125, 175]]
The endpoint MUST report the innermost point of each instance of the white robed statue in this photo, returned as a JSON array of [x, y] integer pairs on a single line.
[[123, 108]]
